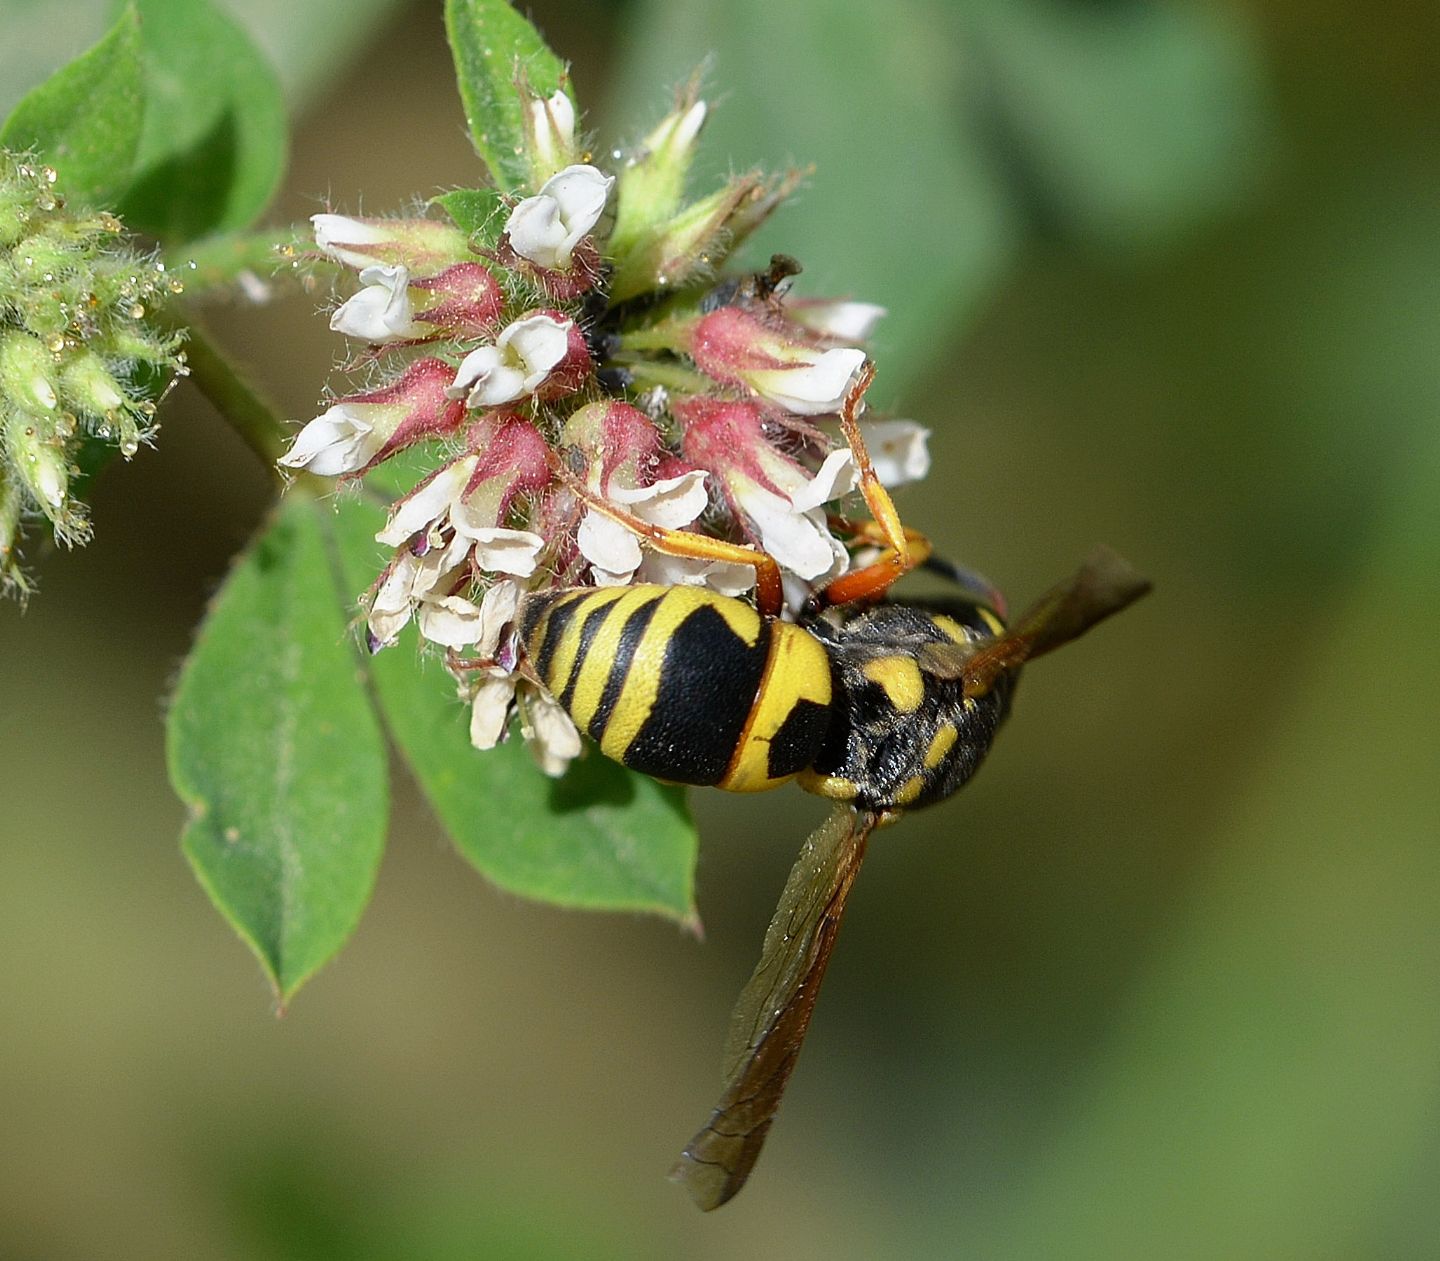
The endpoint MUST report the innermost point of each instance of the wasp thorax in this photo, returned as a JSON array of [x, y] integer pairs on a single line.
[[902, 733]]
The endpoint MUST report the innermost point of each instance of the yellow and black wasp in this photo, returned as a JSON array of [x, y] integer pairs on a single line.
[[879, 705]]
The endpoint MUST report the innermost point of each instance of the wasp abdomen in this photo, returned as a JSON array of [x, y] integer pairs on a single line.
[[682, 683]]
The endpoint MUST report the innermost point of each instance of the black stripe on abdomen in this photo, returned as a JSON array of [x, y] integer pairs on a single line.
[[708, 681]]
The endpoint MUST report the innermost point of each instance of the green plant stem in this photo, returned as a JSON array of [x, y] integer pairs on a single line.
[[239, 404], [670, 375], [219, 263]]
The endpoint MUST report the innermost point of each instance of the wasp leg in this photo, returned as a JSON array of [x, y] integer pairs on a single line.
[[769, 595], [902, 550], [458, 664], [971, 583]]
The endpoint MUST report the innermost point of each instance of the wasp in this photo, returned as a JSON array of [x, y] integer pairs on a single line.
[[879, 705]]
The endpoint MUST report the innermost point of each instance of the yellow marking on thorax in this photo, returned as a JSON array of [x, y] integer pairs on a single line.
[[642, 682], [797, 670], [599, 657], [562, 660], [836, 787], [950, 627], [900, 677], [940, 744], [997, 627], [909, 790], [953, 630]]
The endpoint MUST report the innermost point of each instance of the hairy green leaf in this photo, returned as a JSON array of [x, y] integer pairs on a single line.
[[478, 212], [213, 147], [493, 45], [601, 837], [85, 119], [274, 747]]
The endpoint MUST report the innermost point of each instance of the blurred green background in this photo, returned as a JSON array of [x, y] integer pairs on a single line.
[[1161, 984]]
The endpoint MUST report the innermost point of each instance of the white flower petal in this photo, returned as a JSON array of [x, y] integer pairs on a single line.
[[835, 479], [478, 363], [427, 503], [608, 545], [490, 710], [726, 577], [340, 441], [497, 610], [844, 321], [391, 608], [539, 342], [670, 503], [550, 731], [813, 388], [333, 233], [536, 232], [799, 541], [503, 551], [381, 312], [437, 568], [581, 192], [689, 126], [898, 450], [450, 621], [553, 123], [503, 384], [606, 578], [519, 361], [547, 227]]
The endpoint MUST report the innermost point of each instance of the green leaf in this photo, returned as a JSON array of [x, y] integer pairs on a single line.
[[274, 747], [213, 147], [477, 212], [601, 837], [85, 119], [492, 45]]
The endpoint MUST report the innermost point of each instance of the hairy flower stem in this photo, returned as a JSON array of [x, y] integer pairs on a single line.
[[219, 264], [240, 406]]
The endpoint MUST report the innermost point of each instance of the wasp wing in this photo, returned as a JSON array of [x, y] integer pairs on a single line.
[[1103, 585], [768, 1026]]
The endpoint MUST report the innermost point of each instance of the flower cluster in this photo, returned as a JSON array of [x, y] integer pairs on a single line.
[[579, 368], [80, 360]]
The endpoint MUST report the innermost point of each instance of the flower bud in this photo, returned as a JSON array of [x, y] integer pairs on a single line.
[[12, 499], [424, 247], [549, 133], [736, 348], [27, 372], [464, 300], [88, 384], [364, 429], [74, 304], [672, 250], [654, 178], [38, 461], [774, 497]]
